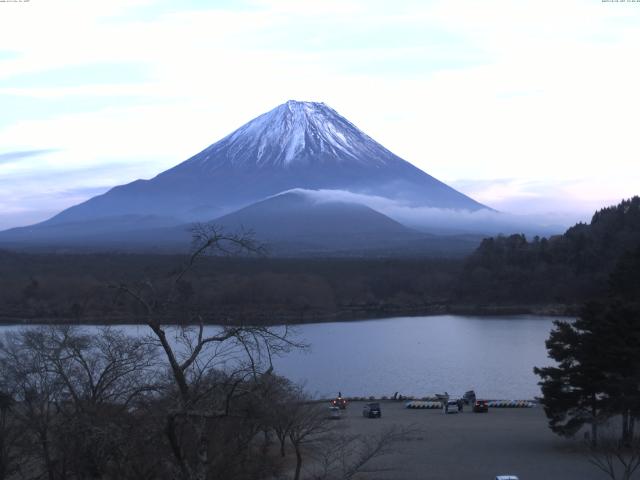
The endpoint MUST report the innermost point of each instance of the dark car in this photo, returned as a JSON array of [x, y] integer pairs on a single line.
[[469, 397], [371, 410], [481, 406], [339, 402]]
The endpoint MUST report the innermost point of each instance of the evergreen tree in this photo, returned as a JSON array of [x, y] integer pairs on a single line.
[[598, 360], [621, 342], [573, 391]]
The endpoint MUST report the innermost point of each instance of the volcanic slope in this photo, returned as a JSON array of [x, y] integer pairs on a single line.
[[296, 145]]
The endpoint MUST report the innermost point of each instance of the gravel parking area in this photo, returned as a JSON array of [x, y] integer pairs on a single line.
[[472, 445]]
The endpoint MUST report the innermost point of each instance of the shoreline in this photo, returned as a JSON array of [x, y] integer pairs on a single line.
[[304, 318]]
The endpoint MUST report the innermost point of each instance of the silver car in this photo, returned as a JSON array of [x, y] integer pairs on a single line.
[[452, 406]]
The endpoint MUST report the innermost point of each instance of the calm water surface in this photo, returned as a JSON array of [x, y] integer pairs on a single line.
[[494, 356]]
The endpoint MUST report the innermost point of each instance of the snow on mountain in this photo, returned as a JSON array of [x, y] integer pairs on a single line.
[[292, 133]]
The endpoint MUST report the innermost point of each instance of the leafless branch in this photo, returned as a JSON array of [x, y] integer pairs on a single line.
[[616, 459]]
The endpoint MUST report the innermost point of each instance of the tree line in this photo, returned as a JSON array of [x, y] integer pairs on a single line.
[[68, 288], [564, 269]]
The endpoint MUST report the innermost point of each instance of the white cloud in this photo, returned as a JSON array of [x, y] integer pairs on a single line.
[[447, 221]]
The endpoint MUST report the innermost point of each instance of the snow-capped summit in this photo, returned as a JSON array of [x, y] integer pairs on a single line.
[[304, 145], [292, 133]]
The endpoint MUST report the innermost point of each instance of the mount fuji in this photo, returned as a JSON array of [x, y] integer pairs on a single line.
[[297, 145]]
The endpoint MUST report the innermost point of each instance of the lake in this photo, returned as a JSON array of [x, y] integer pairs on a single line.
[[418, 356]]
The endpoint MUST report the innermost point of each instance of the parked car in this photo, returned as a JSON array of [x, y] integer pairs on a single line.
[[339, 402], [452, 406], [481, 406], [334, 413], [506, 477], [372, 410]]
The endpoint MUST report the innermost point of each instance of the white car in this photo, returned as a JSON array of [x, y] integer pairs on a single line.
[[506, 477], [452, 406]]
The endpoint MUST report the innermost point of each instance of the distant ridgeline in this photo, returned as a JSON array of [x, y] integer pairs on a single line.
[[568, 268]]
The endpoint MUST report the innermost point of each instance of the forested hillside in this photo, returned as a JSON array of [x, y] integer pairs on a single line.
[[568, 268]]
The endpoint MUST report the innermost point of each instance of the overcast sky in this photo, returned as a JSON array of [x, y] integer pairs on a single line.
[[530, 107]]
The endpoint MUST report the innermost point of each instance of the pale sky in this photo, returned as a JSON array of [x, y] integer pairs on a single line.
[[530, 107]]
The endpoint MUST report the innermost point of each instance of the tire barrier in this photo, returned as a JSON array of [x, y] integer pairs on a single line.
[[510, 404], [419, 404]]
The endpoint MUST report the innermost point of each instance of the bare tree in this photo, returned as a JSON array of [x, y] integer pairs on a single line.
[[73, 396], [37, 391], [344, 456], [308, 423], [10, 435], [103, 376], [281, 399], [108, 368], [193, 353]]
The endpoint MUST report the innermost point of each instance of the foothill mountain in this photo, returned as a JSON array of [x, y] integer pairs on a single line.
[[260, 178]]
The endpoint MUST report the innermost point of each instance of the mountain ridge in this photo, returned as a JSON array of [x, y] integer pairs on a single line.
[[296, 145], [317, 147]]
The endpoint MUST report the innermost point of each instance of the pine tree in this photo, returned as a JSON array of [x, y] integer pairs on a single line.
[[621, 342], [573, 391], [598, 360]]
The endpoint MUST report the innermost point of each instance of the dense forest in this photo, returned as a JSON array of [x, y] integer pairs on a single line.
[[508, 274], [564, 269], [76, 288]]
